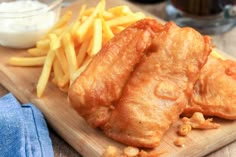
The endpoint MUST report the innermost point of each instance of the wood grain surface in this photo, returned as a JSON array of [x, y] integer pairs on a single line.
[[73, 129]]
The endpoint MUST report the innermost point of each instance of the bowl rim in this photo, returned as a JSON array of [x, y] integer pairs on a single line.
[[29, 13]]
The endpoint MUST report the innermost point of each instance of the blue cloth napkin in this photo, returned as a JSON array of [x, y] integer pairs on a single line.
[[23, 130]]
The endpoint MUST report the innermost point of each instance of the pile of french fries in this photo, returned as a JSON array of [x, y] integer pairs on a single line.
[[66, 50]]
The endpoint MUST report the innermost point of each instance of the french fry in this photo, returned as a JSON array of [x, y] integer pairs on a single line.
[[54, 42], [62, 83], [70, 53], [61, 23], [89, 11], [88, 22], [82, 10], [215, 54], [107, 15], [125, 20], [107, 32], [43, 79], [120, 10], [27, 61], [64, 20], [77, 22], [43, 44], [101, 12], [60, 54], [74, 28], [82, 52], [96, 43], [59, 31], [37, 52], [80, 70], [117, 29], [58, 72]]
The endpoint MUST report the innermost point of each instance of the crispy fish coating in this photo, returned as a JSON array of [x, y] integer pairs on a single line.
[[158, 90], [215, 91], [95, 92]]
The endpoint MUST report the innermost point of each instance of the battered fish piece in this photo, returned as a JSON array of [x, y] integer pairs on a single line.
[[215, 92], [158, 90], [95, 92]]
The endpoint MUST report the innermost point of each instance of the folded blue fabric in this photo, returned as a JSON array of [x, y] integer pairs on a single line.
[[23, 130]]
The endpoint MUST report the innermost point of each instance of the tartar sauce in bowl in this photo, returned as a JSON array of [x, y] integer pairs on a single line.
[[24, 22]]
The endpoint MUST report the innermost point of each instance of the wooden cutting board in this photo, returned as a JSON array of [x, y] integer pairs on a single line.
[[71, 127]]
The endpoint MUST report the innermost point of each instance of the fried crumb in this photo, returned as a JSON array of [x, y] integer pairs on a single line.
[[131, 151], [111, 151], [153, 153], [184, 129], [180, 142], [197, 121]]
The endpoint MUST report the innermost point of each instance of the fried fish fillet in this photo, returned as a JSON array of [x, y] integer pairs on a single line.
[[95, 92], [158, 89], [215, 91]]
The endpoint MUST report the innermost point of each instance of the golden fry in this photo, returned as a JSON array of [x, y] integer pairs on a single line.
[[59, 31], [117, 29], [43, 44], [84, 27], [107, 32], [64, 81], [62, 22], [70, 53], [60, 54], [54, 42], [96, 43], [27, 61], [37, 52], [82, 11], [80, 70], [89, 11], [58, 72], [217, 54], [120, 10], [101, 12], [64, 19], [125, 20], [82, 52], [107, 15], [43, 79], [74, 28]]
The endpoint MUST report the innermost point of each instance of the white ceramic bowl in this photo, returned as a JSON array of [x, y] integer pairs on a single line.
[[24, 22]]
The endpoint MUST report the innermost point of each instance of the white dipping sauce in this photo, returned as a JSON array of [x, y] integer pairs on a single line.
[[22, 23]]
